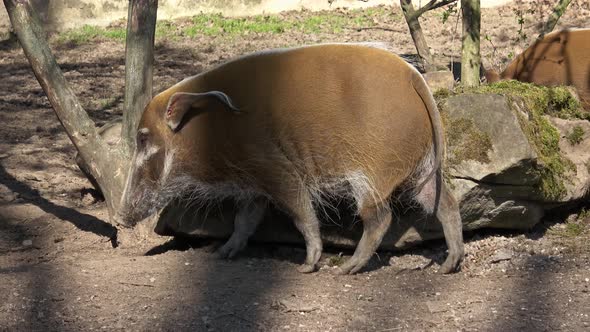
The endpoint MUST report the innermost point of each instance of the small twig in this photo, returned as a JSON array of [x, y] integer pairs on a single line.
[[392, 329], [374, 28], [237, 316], [19, 248], [134, 284]]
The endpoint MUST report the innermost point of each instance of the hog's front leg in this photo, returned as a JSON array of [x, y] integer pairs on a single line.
[[248, 217]]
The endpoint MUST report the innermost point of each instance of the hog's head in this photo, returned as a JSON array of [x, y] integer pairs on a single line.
[[156, 174]]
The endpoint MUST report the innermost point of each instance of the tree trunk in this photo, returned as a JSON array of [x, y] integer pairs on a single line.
[[107, 165], [417, 35], [470, 56], [558, 10], [139, 60]]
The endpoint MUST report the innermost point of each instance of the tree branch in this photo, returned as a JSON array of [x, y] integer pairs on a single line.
[[551, 22], [417, 35], [433, 4]]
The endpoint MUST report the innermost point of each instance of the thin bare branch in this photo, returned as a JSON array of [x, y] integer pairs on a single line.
[[433, 4], [551, 22]]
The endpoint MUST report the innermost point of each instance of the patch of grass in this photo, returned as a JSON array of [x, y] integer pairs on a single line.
[[576, 136], [165, 28], [574, 227], [327, 21], [336, 260], [89, 33], [217, 24], [584, 214]]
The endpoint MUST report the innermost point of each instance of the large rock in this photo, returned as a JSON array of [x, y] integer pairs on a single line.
[[490, 160]]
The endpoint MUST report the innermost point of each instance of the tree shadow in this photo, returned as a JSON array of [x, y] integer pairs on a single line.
[[82, 221], [529, 305]]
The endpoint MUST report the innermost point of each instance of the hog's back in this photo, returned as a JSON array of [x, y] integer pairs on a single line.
[[560, 58], [324, 110]]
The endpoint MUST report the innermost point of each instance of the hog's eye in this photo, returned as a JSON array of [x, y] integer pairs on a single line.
[[142, 138]]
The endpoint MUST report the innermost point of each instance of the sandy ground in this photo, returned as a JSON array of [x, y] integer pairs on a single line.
[[61, 267]]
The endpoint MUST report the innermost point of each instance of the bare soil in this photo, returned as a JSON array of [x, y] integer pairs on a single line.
[[61, 267]]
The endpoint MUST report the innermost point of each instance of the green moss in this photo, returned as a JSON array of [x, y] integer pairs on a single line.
[[552, 167], [442, 93], [467, 141], [576, 136], [555, 101]]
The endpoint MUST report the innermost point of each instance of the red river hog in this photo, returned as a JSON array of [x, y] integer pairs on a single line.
[[560, 58], [291, 127]]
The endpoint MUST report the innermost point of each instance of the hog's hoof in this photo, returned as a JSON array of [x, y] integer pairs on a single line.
[[306, 268], [351, 266], [451, 264], [229, 250]]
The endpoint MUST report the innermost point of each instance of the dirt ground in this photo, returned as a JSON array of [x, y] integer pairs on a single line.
[[61, 267]]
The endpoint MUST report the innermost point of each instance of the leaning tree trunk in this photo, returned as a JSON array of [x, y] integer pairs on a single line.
[[558, 10], [470, 56], [106, 164], [411, 15], [422, 48]]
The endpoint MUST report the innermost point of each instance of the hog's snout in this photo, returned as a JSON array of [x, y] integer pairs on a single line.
[[122, 220]]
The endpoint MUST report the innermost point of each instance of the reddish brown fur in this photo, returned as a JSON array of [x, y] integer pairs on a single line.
[[560, 58], [276, 123], [307, 116]]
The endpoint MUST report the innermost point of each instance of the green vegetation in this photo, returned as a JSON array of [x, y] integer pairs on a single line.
[[576, 136], [539, 101], [218, 25], [555, 101], [88, 33], [336, 260], [468, 142], [574, 227]]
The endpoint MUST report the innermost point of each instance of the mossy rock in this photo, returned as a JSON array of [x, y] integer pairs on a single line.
[[533, 105], [485, 141]]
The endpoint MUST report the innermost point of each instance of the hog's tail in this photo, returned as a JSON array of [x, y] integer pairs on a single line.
[[437, 130]]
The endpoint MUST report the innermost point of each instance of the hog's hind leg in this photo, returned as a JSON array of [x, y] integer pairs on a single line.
[[447, 213], [249, 215], [376, 219]]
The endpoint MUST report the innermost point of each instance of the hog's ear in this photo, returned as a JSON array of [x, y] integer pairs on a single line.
[[183, 104], [492, 76]]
